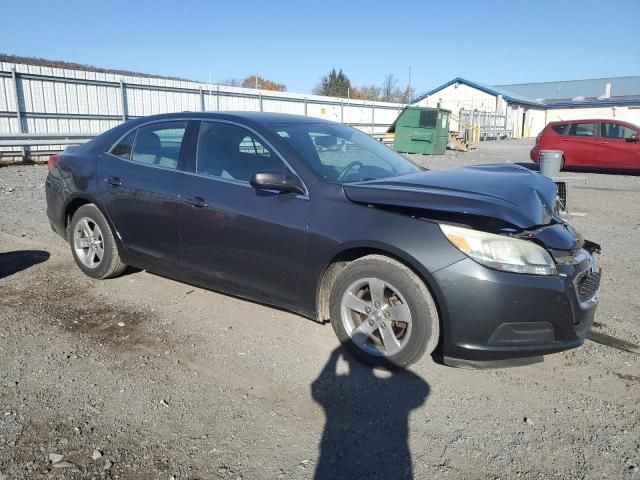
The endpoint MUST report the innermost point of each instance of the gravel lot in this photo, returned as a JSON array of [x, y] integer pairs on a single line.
[[141, 377]]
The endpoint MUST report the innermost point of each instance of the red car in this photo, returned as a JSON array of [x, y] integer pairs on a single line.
[[592, 143]]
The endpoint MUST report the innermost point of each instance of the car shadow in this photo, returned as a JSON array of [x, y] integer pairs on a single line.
[[18, 260], [366, 434], [614, 342]]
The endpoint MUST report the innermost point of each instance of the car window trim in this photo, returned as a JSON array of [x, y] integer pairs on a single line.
[[240, 182]]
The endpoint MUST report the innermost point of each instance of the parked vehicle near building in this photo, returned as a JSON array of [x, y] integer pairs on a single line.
[[321, 219], [605, 144]]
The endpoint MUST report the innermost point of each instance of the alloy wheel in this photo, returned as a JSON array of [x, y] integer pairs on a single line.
[[376, 316], [88, 242]]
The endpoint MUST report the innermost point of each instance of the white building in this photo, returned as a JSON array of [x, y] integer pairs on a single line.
[[522, 110]]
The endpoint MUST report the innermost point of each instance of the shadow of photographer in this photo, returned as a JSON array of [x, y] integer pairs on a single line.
[[16, 261], [366, 434]]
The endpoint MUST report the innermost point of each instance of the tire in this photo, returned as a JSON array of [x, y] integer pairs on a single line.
[[403, 292], [92, 244]]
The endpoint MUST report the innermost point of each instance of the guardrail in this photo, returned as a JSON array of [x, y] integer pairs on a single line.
[[38, 139], [62, 140]]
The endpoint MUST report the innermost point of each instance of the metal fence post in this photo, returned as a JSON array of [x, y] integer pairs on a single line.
[[341, 111], [260, 100], [373, 118], [305, 107], [14, 77], [123, 100], [202, 109], [217, 98]]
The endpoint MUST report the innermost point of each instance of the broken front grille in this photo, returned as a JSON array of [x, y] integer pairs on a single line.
[[588, 286]]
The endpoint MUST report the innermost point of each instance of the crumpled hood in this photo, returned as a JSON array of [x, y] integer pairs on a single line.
[[505, 191]]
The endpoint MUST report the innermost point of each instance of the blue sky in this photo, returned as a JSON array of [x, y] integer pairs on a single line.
[[296, 42]]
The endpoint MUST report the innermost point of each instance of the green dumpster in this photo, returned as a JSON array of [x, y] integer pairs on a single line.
[[421, 130]]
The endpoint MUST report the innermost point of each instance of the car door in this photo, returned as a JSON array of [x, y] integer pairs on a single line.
[[140, 186], [579, 144], [248, 241], [615, 148]]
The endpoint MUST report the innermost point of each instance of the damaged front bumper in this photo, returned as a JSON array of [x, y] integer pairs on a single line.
[[494, 316]]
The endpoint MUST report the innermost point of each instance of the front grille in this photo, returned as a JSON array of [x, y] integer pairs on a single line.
[[588, 285], [561, 198]]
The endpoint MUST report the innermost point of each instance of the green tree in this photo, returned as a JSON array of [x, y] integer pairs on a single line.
[[335, 84]]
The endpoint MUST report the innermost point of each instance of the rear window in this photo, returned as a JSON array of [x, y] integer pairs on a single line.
[[582, 129], [123, 149], [560, 128]]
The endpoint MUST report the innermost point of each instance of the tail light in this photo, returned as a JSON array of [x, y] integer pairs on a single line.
[[53, 159]]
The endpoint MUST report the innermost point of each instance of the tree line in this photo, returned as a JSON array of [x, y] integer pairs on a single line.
[[337, 84]]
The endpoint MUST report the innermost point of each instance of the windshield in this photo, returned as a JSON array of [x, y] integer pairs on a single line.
[[343, 154]]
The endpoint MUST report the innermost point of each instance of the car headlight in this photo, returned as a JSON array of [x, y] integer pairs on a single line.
[[501, 252]]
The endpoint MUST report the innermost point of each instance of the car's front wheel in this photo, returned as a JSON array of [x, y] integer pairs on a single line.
[[93, 245], [383, 312]]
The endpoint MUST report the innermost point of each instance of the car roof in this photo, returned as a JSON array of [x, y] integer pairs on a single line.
[[257, 117], [589, 120]]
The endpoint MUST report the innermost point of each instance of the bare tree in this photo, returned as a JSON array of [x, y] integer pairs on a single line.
[[389, 92], [370, 92], [231, 82]]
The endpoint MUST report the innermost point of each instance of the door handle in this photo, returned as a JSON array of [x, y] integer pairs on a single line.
[[566, 139], [113, 181], [197, 202], [604, 143]]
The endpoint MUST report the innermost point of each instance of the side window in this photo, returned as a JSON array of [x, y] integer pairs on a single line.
[[582, 129], [559, 129], [233, 153], [628, 132], [123, 149], [615, 130], [159, 144]]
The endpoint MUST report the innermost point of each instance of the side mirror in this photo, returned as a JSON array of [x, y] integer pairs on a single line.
[[278, 181], [634, 138]]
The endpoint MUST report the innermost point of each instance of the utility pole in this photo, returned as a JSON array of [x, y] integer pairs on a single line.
[[409, 78], [256, 81]]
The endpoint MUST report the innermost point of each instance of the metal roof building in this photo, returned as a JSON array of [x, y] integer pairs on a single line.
[[522, 110], [598, 91]]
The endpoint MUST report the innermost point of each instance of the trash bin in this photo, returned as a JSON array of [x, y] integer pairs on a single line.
[[421, 130], [550, 162]]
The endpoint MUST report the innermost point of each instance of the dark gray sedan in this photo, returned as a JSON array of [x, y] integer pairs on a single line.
[[321, 219]]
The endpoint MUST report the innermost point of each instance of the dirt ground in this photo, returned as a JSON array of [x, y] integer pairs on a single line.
[[141, 377]]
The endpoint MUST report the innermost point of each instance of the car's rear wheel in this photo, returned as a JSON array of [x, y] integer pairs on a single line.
[[383, 312], [92, 243]]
